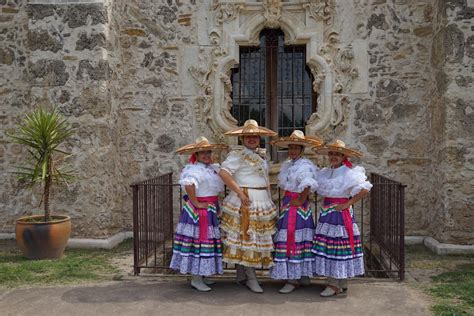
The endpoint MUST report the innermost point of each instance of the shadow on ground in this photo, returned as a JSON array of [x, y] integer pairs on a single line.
[[224, 293]]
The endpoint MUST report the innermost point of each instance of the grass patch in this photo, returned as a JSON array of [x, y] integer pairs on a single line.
[[77, 265], [449, 280], [454, 291]]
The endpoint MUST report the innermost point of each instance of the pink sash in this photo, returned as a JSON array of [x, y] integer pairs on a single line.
[[290, 230], [203, 220]]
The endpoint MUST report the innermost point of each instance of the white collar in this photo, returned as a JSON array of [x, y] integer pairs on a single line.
[[202, 165], [249, 151]]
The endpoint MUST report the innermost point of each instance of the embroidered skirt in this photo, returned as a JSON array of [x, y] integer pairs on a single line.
[[196, 251], [335, 255], [248, 231], [293, 257]]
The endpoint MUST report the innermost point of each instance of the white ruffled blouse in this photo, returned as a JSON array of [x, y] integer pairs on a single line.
[[296, 175], [247, 168], [204, 177], [342, 182]]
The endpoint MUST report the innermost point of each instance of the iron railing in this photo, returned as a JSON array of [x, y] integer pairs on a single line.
[[152, 222], [381, 225], [387, 226]]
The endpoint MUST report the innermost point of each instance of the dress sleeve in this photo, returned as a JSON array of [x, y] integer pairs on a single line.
[[189, 176], [232, 162], [306, 177], [357, 181], [283, 174]]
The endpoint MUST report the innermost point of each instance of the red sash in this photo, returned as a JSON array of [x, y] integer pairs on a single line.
[[346, 217], [203, 220]]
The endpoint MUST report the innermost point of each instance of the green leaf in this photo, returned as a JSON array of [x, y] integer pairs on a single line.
[[42, 133]]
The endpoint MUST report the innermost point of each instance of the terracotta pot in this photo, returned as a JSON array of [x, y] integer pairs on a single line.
[[43, 240]]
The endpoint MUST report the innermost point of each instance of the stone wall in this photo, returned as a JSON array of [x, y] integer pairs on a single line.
[[392, 122], [66, 56], [121, 72], [455, 157]]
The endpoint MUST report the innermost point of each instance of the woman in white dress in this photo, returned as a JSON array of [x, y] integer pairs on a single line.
[[197, 247], [248, 213], [293, 257], [337, 244]]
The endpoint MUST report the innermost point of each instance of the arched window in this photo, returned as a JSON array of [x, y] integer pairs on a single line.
[[273, 85]]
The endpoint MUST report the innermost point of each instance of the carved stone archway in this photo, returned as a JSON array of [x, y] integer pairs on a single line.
[[237, 23]]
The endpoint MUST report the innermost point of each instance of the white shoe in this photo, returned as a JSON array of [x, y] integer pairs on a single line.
[[208, 281], [329, 291], [198, 284], [254, 286], [304, 280], [287, 288]]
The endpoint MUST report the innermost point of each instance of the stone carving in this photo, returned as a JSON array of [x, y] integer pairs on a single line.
[[321, 10], [341, 60], [272, 13], [331, 64], [225, 12], [201, 75], [346, 72]]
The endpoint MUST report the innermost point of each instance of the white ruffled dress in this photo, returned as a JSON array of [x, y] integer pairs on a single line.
[[295, 176], [191, 254], [331, 245], [248, 239]]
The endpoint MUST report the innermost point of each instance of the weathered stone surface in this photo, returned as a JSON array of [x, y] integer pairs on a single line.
[[375, 144], [454, 43], [165, 143], [42, 40], [49, 72], [423, 31], [454, 155], [100, 72], [64, 97], [377, 21], [169, 15], [464, 81], [388, 87], [40, 11], [78, 15], [403, 111], [470, 46], [134, 32], [138, 79], [90, 42], [7, 56]]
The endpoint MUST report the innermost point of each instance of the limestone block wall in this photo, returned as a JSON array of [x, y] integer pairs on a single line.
[[455, 157], [392, 123], [124, 73], [65, 56]]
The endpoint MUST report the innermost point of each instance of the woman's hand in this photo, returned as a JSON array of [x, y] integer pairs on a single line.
[[296, 202], [244, 199], [201, 205]]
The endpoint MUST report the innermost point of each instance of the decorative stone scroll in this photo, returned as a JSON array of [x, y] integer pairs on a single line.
[[238, 23]]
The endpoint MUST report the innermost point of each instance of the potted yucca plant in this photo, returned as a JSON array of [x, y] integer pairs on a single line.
[[42, 132]]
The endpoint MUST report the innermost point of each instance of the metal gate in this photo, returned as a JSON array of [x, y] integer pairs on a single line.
[[157, 200]]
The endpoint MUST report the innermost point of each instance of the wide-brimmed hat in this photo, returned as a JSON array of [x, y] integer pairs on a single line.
[[297, 138], [201, 144], [251, 128], [338, 146]]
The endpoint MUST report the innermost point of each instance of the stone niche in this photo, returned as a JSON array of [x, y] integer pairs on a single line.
[[333, 64]]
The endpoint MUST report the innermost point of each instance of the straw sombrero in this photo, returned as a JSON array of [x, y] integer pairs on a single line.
[[337, 146], [297, 138], [251, 128], [201, 144]]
